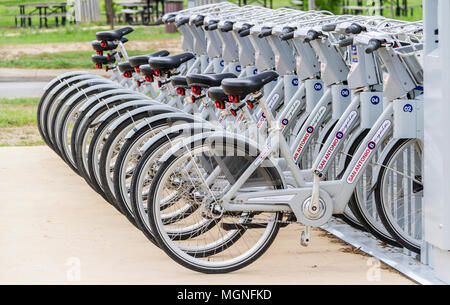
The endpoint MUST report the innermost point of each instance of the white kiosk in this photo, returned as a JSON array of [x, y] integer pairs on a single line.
[[436, 249]]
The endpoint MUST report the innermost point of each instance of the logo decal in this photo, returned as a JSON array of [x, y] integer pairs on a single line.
[[317, 86], [345, 92], [370, 147], [339, 135], [301, 145], [266, 151], [238, 68], [284, 122], [273, 100], [222, 63], [291, 113], [309, 131], [295, 82], [255, 71]]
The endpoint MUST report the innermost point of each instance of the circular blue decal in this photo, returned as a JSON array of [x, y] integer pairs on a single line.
[[345, 92], [339, 134], [310, 129], [255, 71], [318, 86], [238, 68], [407, 108], [371, 145], [295, 82], [263, 115], [284, 122], [375, 100], [222, 63]]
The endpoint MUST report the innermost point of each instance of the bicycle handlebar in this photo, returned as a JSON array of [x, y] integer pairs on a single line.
[[227, 26], [345, 42], [212, 25], [182, 21], [312, 35], [245, 30], [265, 31], [355, 28], [374, 44], [287, 33], [329, 27], [198, 21]]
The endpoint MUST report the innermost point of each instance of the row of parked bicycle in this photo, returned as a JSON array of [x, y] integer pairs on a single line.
[[268, 118]]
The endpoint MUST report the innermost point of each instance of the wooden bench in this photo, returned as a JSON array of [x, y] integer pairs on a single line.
[[24, 18], [128, 14], [56, 16]]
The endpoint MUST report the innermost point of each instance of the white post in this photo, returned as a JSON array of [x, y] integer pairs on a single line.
[[437, 138], [311, 5], [87, 10]]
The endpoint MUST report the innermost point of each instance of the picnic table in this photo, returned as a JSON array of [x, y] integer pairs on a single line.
[[147, 9], [399, 7], [43, 11]]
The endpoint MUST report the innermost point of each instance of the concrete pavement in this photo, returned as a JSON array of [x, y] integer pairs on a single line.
[[55, 230], [21, 89]]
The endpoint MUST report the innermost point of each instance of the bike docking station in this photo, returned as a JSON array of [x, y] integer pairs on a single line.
[[430, 122], [270, 118]]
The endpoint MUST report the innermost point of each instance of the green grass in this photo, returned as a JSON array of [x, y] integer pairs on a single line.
[[18, 122], [58, 60], [17, 116], [76, 34], [19, 101], [18, 112]]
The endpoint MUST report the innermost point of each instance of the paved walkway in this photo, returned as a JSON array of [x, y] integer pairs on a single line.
[[55, 230], [21, 89], [16, 83], [37, 75]]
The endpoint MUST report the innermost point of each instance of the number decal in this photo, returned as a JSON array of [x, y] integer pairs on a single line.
[[375, 100], [408, 108]]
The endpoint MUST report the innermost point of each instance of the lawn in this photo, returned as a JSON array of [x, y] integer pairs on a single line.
[[18, 112], [18, 122], [75, 34], [58, 60]]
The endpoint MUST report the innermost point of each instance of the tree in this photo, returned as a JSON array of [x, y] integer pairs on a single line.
[[328, 5], [110, 12]]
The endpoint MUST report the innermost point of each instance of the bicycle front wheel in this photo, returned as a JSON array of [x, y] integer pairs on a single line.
[[225, 241], [399, 193]]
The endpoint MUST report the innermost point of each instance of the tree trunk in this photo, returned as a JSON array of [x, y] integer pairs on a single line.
[[110, 12]]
